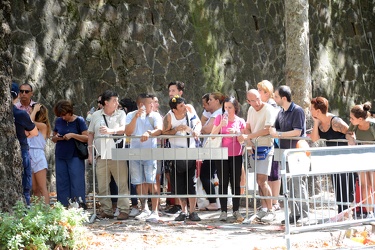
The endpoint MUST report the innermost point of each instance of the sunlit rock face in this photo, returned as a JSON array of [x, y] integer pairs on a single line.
[[77, 49]]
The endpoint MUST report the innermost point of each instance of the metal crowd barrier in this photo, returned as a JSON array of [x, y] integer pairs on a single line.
[[315, 166], [309, 170]]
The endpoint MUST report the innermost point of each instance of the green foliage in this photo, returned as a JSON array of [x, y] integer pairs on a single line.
[[42, 227]]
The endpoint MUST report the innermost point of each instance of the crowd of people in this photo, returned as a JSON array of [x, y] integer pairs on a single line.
[[271, 120]]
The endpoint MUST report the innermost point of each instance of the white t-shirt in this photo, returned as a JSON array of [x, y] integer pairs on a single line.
[[259, 119], [149, 122], [115, 121], [182, 142]]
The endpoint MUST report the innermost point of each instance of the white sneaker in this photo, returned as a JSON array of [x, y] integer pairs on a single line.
[[143, 215], [134, 212], [370, 215], [261, 214], [237, 215], [269, 217], [153, 217], [117, 212], [223, 216]]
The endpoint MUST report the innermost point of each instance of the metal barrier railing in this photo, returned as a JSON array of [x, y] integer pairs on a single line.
[[300, 165], [313, 165]]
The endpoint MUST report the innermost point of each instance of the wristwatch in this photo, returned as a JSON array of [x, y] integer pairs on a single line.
[[279, 134]]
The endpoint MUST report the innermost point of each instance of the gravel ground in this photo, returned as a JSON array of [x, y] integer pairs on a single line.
[[209, 233]]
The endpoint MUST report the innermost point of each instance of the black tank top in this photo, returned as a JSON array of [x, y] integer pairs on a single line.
[[331, 134]]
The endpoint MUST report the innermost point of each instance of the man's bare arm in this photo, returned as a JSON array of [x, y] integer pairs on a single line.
[[167, 126]]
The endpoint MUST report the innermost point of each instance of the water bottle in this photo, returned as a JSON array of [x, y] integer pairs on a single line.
[[92, 110], [225, 115], [102, 124], [143, 108]]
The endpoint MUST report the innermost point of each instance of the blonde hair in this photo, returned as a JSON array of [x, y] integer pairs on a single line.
[[266, 86]]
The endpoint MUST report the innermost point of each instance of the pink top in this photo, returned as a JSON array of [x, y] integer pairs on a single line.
[[234, 147]]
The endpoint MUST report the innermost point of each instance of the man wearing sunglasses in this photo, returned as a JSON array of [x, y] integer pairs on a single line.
[[25, 102]]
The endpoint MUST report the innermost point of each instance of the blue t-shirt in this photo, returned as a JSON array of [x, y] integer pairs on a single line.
[[23, 123], [291, 119], [66, 149]]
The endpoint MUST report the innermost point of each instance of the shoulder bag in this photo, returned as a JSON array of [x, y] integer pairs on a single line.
[[213, 142], [82, 150]]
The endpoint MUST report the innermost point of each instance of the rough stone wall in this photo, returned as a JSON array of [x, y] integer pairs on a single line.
[[342, 54], [76, 49], [10, 157]]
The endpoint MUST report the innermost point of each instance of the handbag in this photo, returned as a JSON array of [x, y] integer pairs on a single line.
[[213, 142], [82, 150], [262, 153]]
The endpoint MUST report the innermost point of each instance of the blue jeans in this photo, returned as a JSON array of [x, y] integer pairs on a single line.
[[70, 179], [26, 174]]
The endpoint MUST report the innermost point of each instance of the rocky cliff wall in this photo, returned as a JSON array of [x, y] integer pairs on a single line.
[[76, 49]]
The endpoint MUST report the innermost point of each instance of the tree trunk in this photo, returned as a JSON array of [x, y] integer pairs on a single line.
[[298, 70], [10, 152]]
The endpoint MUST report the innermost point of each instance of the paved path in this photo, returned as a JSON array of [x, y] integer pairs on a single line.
[[208, 234]]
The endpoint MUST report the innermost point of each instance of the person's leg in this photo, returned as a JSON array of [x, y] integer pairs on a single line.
[[62, 181], [363, 183], [119, 171], [300, 207], [191, 185], [103, 176], [234, 169], [223, 175], [265, 188], [26, 175], [76, 169], [40, 181], [274, 181], [113, 189], [205, 176], [181, 189], [34, 186], [150, 169]]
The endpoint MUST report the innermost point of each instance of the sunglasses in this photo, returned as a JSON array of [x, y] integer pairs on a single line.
[[25, 91]]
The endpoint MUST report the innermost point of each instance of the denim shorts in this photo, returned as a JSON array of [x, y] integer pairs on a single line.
[[142, 171]]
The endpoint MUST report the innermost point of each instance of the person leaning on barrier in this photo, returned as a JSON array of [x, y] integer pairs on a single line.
[[115, 125], [175, 88], [144, 122], [330, 127], [265, 89], [178, 121], [291, 122], [208, 169], [206, 113], [260, 117], [362, 128], [230, 170]]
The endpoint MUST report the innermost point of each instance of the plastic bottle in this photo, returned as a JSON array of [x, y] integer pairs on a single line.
[[102, 124], [143, 115], [225, 115], [92, 110]]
